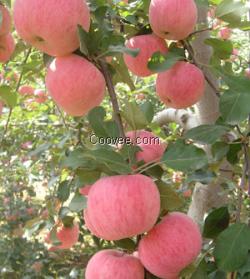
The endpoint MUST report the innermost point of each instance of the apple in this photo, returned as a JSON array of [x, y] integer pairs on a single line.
[[170, 246], [7, 47], [181, 86], [5, 25], [75, 84], [68, 236], [37, 266], [225, 33], [40, 96], [26, 90], [173, 19], [148, 45], [151, 147], [114, 264], [122, 206], [51, 26]]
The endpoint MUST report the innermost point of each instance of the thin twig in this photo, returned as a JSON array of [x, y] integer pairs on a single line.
[[112, 94], [200, 31], [17, 87]]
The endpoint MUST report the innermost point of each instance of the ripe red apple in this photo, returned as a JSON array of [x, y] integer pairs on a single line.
[[51, 26], [173, 19], [247, 73], [7, 47], [26, 90], [114, 264], [225, 33], [148, 45], [68, 236], [40, 96], [151, 147], [181, 86], [122, 206], [170, 246], [5, 25], [75, 84]]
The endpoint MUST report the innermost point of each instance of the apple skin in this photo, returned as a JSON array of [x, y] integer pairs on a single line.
[[51, 26], [75, 84], [181, 86], [151, 151], [148, 45], [225, 33], [26, 90], [5, 26], [114, 264], [173, 19], [122, 206], [7, 47], [170, 246], [68, 236]]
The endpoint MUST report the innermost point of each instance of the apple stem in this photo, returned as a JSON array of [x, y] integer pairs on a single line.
[[112, 94]]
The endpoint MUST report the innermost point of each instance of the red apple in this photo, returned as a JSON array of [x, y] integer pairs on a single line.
[[7, 47], [170, 246], [225, 33], [151, 147], [122, 206], [148, 45], [68, 236], [26, 90], [113, 264], [51, 26], [5, 25], [173, 19], [181, 86], [75, 84]]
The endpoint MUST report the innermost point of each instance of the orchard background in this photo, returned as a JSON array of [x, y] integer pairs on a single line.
[[47, 157]]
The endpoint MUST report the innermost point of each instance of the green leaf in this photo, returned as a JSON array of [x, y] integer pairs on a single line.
[[207, 134], [78, 203], [184, 157], [102, 128], [9, 98], [127, 244], [231, 11], [234, 106], [134, 116], [63, 191], [170, 200], [160, 62], [231, 247], [216, 222], [84, 39], [201, 271], [222, 49], [219, 150]]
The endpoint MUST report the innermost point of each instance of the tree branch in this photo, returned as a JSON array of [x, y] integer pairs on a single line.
[[112, 94]]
